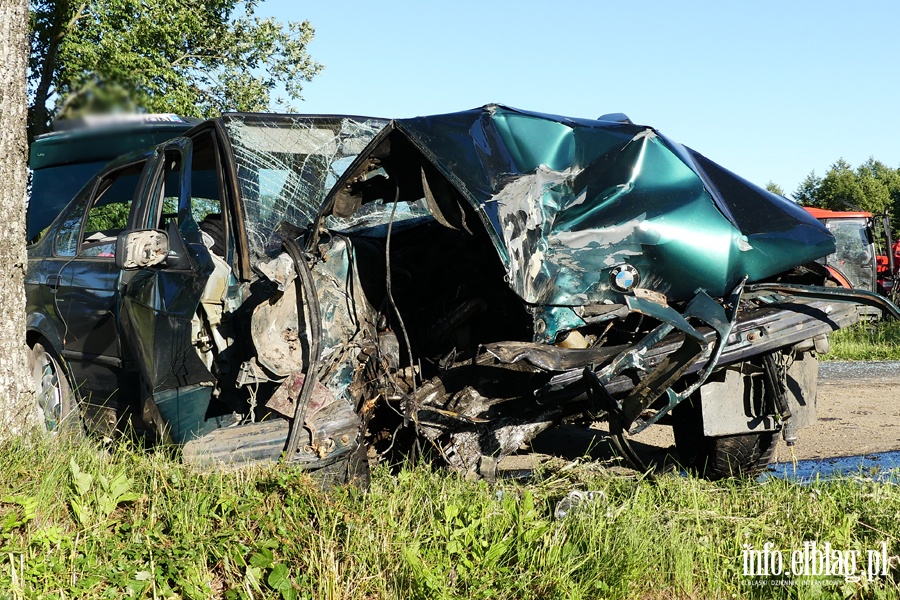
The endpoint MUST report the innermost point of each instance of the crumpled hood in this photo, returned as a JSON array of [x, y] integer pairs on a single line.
[[567, 201]]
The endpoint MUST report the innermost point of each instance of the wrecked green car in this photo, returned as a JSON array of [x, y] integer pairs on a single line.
[[331, 289]]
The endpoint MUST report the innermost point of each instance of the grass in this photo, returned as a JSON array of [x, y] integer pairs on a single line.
[[78, 522], [879, 340], [81, 522]]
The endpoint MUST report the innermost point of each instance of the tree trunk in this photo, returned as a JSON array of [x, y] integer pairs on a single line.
[[17, 409]]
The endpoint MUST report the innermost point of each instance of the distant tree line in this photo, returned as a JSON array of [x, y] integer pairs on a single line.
[[872, 187]]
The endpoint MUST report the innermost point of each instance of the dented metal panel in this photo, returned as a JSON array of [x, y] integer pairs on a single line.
[[567, 200], [734, 401], [347, 325]]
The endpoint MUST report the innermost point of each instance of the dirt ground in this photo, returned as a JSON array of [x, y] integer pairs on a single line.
[[855, 417], [858, 413]]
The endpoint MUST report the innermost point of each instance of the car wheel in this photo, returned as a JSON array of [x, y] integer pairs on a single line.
[[743, 455], [56, 403], [358, 471], [212, 224]]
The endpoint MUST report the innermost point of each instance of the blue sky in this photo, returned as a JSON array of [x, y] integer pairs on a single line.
[[770, 90]]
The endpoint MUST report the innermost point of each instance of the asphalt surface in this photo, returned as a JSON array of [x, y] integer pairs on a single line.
[[877, 371]]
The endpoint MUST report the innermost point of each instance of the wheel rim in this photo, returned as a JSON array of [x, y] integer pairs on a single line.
[[48, 391]]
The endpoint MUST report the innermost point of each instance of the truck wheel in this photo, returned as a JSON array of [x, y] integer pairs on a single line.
[[713, 458], [56, 403]]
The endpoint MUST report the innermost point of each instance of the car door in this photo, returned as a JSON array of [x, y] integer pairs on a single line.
[[160, 303], [83, 285]]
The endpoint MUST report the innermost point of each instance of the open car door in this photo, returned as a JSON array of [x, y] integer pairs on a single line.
[[160, 302]]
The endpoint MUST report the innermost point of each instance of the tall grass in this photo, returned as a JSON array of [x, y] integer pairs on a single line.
[[879, 340], [80, 522]]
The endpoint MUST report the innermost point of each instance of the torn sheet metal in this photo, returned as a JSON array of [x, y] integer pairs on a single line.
[[348, 320], [566, 201], [280, 271], [284, 399], [550, 358], [274, 327]]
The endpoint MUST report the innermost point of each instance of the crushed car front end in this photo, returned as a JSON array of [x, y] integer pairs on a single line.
[[476, 278], [335, 289]]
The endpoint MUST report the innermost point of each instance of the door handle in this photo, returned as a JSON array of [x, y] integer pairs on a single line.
[[53, 282]]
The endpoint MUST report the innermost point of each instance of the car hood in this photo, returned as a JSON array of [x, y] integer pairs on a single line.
[[571, 204]]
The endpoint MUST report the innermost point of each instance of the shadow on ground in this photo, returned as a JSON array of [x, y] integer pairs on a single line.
[[572, 442]]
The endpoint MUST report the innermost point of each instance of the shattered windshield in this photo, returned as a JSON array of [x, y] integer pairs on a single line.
[[853, 255], [287, 164]]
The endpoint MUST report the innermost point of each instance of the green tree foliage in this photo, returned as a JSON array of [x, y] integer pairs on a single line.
[[192, 58], [873, 186], [840, 188], [806, 193], [774, 188]]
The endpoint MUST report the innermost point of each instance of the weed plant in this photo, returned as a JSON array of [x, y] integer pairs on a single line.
[[879, 340], [78, 521]]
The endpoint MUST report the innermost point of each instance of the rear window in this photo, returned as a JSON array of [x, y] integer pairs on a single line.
[[51, 191]]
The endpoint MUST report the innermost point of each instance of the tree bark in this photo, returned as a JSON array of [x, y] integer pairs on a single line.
[[17, 408]]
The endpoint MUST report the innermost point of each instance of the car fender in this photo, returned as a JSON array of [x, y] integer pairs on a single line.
[[38, 325]]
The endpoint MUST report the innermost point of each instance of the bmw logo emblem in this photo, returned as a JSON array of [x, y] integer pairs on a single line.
[[624, 278]]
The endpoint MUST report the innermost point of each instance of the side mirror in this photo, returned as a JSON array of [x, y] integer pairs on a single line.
[[141, 248]]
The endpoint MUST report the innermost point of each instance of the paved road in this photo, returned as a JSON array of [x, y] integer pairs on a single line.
[[877, 371]]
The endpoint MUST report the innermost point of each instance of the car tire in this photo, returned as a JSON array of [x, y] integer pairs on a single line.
[[214, 226], [55, 399], [744, 455], [358, 470]]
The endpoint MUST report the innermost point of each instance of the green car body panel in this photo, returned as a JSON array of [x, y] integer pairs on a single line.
[[567, 201]]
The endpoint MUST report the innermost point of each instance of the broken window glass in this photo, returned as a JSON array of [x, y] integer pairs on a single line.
[[379, 212], [287, 164], [852, 255], [67, 238]]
